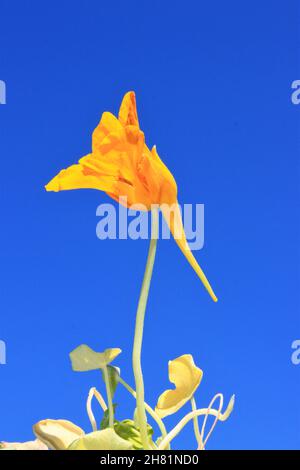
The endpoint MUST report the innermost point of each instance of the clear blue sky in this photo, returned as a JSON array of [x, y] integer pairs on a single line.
[[213, 84]]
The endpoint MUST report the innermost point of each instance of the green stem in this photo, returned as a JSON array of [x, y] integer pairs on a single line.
[[109, 398], [138, 335], [148, 408]]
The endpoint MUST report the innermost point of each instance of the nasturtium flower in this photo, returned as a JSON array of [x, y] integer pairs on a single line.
[[29, 445], [122, 165], [60, 434], [186, 377], [57, 434]]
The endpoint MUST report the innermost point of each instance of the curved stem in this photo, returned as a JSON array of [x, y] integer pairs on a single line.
[[138, 335], [196, 424], [100, 399], [176, 430], [220, 396], [94, 393], [90, 411], [109, 398], [148, 408]]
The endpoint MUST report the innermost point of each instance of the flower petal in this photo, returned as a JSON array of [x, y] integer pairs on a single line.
[[128, 112], [108, 124], [186, 377], [80, 177], [57, 434], [29, 445], [84, 358]]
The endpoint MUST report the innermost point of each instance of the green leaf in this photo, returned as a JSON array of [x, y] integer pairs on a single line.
[[128, 431], [105, 420], [107, 439], [113, 378], [84, 358]]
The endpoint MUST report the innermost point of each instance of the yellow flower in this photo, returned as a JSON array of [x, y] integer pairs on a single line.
[[186, 377], [60, 434], [57, 434], [29, 445], [122, 165]]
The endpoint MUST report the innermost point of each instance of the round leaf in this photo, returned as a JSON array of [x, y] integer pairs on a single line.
[[107, 439]]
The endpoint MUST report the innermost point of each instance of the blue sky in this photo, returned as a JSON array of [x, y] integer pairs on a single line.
[[213, 85]]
